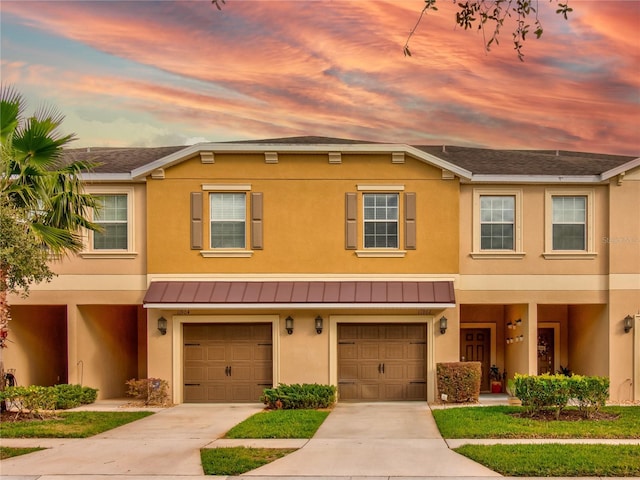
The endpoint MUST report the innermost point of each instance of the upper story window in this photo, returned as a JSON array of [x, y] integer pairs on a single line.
[[380, 220], [228, 220], [113, 220], [569, 229], [497, 220], [234, 220], [569, 223], [116, 219]]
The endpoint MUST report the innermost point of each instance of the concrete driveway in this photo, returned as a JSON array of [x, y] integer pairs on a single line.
[[376, 439], [357, 439]]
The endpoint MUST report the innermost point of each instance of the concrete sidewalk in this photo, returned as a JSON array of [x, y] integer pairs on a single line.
[[361, 441]]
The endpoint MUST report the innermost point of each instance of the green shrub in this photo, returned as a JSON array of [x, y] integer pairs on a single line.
[[590, 393], [71, 396], [299, 396], [150, 391], [459, 381], [34, 400], [552, 392]]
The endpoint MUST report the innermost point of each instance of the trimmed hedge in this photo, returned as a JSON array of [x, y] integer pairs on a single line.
[[553, 392], [297, 396], [459, 381], [42, 401]]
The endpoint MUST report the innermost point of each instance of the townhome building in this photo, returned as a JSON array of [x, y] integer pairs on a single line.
[[226, 268]]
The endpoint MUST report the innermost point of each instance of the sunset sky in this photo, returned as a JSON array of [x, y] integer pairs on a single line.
[[155, 73]]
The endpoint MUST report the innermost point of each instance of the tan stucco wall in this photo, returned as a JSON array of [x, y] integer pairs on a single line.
[[533, 234], [304, 215], [37, 345]]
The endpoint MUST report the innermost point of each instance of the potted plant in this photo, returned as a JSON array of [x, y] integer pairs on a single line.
[[496, 379]]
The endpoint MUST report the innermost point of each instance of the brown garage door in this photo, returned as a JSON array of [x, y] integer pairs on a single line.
[[227, 363], [382, 362]]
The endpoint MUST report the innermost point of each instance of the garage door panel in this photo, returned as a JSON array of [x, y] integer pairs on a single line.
[[348, 351], [194, 353], [216, 372], [368, 371], [417, 391], [348, 391], [216, 353], [416, 332], [394, 371], [395, 391], [416, 351], [348, 371], [395, 351], [232, 363], [369, 332], [381, 362], [263, 353], [369, 391], [194, 393], [369, 351], [416, 372], [194, 374]]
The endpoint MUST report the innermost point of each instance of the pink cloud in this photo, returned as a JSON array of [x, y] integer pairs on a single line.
[[337, 69]]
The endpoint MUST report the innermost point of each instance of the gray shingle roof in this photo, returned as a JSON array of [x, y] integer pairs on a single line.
[[526, 162], [479, 161]]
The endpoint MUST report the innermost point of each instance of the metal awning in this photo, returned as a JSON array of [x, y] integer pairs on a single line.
[[299, 294]]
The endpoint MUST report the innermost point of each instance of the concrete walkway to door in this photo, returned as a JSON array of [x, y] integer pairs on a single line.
[[398, 439]]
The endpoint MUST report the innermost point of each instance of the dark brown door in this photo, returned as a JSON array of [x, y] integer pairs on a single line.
[[382, 362], [227, 362], [475, 346], [545, 350]]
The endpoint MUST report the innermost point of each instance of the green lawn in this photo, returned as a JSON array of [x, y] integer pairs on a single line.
[[498, 422], [8, 452], [238, 460], [557, 460], [69, 425], [280, 424]]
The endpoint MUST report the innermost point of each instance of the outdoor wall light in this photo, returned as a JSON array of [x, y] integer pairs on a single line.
[[628, 323], [288, 324], [443, 325], [318, 324], [162, 325]]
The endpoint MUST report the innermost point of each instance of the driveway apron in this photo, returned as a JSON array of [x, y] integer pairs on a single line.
[[376, 439], [167, 443]]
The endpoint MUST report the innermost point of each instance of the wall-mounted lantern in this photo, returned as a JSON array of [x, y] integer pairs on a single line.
[[288, 324], [628, 323], [443, 325], [318, 324], [162, 325]]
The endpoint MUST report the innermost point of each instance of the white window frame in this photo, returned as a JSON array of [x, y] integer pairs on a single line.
[[211, 252], [378, 252], [90, 251], [589, 252], [517, 251]]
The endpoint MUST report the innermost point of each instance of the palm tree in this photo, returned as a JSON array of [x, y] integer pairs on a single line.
[[38, 191]]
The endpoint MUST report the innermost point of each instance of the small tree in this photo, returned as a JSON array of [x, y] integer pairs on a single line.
[[43, 206]]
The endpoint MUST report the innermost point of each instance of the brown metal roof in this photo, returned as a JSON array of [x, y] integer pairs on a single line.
[[220, 293]]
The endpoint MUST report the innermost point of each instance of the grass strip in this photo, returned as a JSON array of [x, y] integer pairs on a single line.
[[280, 424], [238, 460], [8, 452], [499, 422], [69, 425], [557, 460]]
